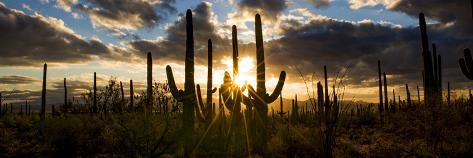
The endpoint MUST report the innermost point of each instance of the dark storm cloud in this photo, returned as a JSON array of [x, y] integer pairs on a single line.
[[17, 79], [319, 3], [126, 14], [32, 39], [456, 13], [172, 48], [267, 8], [358, 46]]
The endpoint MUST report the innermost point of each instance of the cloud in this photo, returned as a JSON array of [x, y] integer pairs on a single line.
[[358, 45], [29, 40], [319, 3], [126, 14], [357, 4], [25, 6], [17, 79], [268, 9], [172, 47], [453, 16], [65, 5]]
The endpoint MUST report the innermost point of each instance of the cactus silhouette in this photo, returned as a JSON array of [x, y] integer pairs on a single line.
[[408, 95], [206, 111], [132, 94], [281, 107], [261, 97], [121, 92], [432, 71], [149, 88], [381, 108], [65, 93], [393, 108], [386, 98], [320, 97], [43, 101], [94, 107], [187, 96], [466, 64]]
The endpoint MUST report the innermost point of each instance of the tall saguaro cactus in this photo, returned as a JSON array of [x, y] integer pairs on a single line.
[[132, 94], [386, 98], [207, 109], [432, 69], [95, 108], [393, 108], [210, 90], [149, 88], [408, 95], [320, 97], [261, 97], [381, 108], [187, 96], [43, 101], [65, 93], [235, 51]]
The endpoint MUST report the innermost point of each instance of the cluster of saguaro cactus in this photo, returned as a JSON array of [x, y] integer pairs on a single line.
[[187, 96], [328, 116], [257, 99], [384, 105], [432, 68], [206, 110]]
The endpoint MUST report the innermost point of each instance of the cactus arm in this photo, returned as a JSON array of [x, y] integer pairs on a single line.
[[468, 60], [172, 84], [214, 90], [271, 98], [465, 69], [199, 98], [466, 64], [198, 110]]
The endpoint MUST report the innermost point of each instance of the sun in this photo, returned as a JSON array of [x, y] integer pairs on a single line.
[[246, 74]]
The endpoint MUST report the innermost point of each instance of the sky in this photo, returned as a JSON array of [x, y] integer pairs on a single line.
[[111, 37]]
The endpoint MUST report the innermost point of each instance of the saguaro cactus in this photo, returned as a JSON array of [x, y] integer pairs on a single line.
[[381, 108], [408, 95], [210, 89], [149, 89], [206, 110], [42, 116], [65, 93], [281, 107], [187, 96], [95, 108], [122, 93], [320, 97], [132, 94], [261, 97], [386, 99], [448, 93], [432, 71], [394, 102], [418, 95]]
